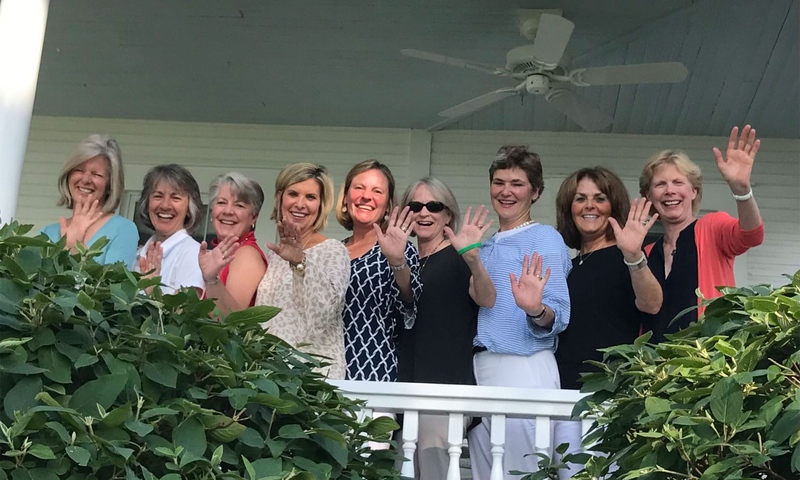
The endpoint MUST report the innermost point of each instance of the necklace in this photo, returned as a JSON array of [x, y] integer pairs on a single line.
[[428, 257], [524, 224], [582, 258]]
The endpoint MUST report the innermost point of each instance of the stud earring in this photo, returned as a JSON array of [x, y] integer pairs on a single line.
[[344, 208]]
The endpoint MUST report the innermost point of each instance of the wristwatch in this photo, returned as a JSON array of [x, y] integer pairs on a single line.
[[299, 268]]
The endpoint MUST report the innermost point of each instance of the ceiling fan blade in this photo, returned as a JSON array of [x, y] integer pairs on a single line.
[[664, 72], [455, 62], [479, 103], [587, 116], [552, 37]]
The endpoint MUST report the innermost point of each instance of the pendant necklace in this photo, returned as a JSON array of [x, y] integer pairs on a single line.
[[432, 252], [584, 257]]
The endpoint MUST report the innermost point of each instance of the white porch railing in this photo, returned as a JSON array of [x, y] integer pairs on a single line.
[[411, 399]]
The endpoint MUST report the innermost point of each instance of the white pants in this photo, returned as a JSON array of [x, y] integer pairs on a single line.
[[502, 370]]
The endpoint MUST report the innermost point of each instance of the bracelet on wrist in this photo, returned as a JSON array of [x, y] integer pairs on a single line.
[[743, 198], [539, 315], [213, 281], [466, 249], [398, 268], [638, 264]]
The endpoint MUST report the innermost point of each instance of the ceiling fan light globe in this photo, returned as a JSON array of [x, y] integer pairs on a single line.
[[537, 84]]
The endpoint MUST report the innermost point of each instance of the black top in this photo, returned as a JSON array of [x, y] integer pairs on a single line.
[[679, 288], [604, 312], [439, 347]]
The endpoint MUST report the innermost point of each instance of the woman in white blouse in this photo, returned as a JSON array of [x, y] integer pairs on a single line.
[[308, 273], [170, 204]]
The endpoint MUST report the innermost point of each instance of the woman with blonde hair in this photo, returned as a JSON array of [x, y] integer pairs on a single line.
[[698, 253], [308, 273], [236, 265], [91, 184]]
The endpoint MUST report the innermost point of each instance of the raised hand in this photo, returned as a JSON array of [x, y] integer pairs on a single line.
[[289, 248], [529, 289], [85, 213], [630, 238], [472, 229], [737, 165], [393, 241], [150, 264], [211, 262]]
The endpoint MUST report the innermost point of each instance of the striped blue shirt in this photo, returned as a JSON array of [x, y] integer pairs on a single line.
[[505, 327]]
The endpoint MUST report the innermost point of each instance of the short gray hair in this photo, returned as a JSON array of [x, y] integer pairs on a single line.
[[243, 188], [180, 179], [93, 146], [441, 193]]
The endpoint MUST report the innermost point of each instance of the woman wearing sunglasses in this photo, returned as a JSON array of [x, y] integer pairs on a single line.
[[455, 285]]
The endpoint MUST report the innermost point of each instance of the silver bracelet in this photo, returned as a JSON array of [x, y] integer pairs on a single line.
[[398, 268], [637, 265], [743, 198]]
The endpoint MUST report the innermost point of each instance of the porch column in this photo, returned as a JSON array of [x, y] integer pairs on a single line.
[[22, 26]]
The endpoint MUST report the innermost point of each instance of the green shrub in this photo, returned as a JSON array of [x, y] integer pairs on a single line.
[[719, 400], [101, 382]]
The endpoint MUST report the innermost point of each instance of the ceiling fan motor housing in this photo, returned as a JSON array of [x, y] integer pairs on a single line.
[[537, 84]]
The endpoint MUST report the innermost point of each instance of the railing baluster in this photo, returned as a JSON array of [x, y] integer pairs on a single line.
[[498, 440], [543, 436], [410, 428], [455, 438]]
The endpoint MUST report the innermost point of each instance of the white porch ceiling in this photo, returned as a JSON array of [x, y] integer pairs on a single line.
[[338, 62]]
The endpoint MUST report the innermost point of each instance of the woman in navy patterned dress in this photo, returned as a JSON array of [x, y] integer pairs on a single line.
[[384, 272]]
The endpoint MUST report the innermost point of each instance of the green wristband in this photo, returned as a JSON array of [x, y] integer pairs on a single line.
[[468, 248]]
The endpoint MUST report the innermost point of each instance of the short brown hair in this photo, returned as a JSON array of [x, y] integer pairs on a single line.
[[300, 172], [342, 215], [683, 163], [518, 156], [608, 183]]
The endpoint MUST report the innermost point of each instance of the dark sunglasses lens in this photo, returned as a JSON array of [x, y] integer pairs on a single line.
[[415, 207], [434, 207]]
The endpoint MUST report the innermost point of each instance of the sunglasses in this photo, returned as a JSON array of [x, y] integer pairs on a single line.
[[433, 207]]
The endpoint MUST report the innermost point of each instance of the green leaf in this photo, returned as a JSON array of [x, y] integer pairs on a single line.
[[14, 342], [292, 431], [22, 396], [84, 360], [103, 391], [252, 316], [162, 373], [191, 436], [118, 416], [11, 295], [139, 428], [381, 426], [785, 427], [58, 366], [655, 405], [726, 401], [41, 451]]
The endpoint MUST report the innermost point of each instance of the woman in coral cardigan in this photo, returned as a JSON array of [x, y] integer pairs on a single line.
[[698, 253]]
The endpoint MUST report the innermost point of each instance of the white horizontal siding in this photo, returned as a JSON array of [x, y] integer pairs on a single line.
[[460, 158]]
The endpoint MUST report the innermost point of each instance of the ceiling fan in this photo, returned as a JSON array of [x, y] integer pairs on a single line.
[[541, 70]]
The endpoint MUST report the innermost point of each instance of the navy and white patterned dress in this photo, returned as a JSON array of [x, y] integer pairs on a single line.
[[373, 312]]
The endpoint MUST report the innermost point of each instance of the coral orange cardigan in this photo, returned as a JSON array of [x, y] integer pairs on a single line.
[[719, 240]]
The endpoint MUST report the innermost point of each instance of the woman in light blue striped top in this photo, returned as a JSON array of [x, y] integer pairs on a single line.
[[528, 262]]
